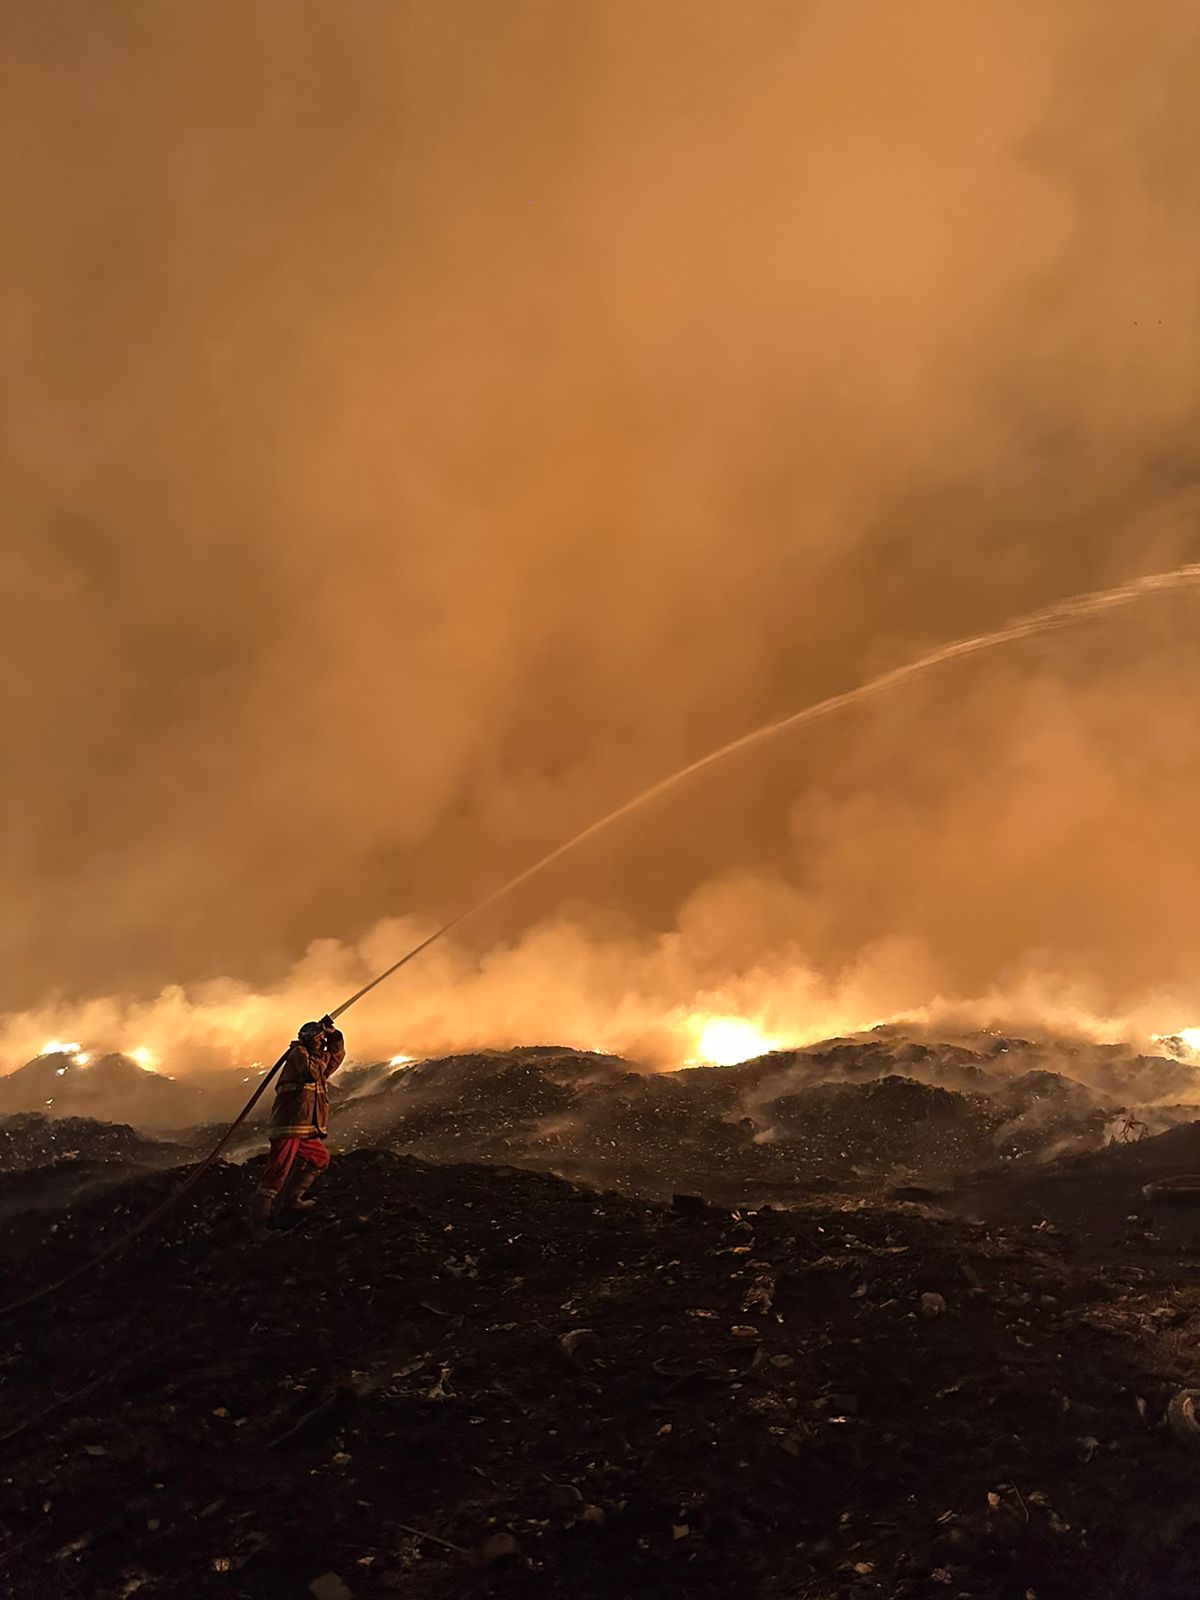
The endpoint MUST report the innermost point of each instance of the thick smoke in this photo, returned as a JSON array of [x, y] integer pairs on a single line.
[[426, 425], [570, 980]]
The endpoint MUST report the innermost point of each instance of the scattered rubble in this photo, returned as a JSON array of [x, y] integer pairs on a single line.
[[849, 1398], [30, 1140]]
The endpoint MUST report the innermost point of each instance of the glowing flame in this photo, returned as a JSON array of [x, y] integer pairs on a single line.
[[400, 1061], [724, 1041], [143, 1057], [65, 1047], [1190, 1037]]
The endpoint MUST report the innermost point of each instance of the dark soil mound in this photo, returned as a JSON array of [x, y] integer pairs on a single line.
[[49, 1162], [453, 1381], [892, 1124]]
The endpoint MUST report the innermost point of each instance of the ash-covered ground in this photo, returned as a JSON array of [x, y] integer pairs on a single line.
[[907, 1328]]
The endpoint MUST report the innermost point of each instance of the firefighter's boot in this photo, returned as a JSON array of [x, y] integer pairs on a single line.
[[297, 1192], [260, 1217]]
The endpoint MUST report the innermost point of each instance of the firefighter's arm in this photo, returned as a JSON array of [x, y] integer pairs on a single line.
[[335, 1044]]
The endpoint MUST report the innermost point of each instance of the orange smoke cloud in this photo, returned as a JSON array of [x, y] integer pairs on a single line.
[[662, 1000], [434, 424]]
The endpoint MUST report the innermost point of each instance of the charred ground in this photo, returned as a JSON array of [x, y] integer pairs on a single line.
[[937, 1369]]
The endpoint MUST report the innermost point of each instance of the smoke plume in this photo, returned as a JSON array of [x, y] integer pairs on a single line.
[[425, 426]]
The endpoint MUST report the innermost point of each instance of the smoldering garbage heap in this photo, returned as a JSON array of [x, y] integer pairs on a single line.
[[885, 1107], [457, 1380], [111, 1085]]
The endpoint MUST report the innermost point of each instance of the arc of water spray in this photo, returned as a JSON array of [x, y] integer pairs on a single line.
[[1081, 608], [1065, 613]]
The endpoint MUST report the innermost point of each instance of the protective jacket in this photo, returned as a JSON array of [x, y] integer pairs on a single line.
[[301, 1109]]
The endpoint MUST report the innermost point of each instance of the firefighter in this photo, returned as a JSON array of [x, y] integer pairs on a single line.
[[299, 1122]]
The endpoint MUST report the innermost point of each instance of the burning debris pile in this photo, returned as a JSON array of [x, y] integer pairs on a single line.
[[880, 1108], [457, 1381], [66, 1082]]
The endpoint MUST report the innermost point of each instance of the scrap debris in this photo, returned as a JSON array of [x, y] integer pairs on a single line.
[[846, 1399]]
